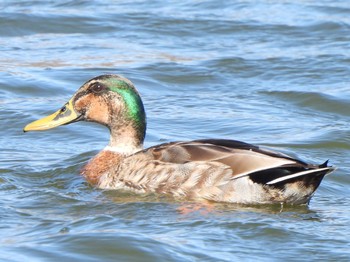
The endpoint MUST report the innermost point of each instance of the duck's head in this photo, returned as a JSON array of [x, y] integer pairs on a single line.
[[110, 100]]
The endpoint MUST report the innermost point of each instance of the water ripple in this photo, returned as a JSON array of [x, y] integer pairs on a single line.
[[274, 73]]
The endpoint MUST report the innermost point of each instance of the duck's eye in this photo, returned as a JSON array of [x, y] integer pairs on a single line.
[[97, 88]]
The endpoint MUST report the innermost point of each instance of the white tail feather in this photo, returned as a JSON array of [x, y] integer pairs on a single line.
[[303, 173]]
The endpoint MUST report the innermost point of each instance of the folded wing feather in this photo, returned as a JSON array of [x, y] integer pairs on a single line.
[[242, 158]]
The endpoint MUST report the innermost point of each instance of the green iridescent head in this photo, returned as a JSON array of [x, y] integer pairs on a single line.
[[110, 100]]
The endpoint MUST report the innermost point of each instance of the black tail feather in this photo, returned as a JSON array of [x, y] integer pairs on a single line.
[[325, 164]]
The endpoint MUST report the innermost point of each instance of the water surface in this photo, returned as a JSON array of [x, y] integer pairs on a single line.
[[273, 73]]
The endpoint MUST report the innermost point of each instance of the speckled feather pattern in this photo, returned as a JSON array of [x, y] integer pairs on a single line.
[[197, 170]]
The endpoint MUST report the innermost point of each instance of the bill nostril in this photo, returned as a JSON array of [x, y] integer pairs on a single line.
[[63, 109]]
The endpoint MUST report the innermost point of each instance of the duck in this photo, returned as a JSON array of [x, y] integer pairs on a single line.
[[212, 170]]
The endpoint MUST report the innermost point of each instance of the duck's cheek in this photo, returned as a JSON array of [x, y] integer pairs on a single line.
[[97, 113], [92, 108]]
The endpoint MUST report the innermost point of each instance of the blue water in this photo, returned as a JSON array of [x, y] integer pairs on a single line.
[[273, 73]]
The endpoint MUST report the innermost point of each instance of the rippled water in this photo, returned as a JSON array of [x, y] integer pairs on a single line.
[[274, 73]]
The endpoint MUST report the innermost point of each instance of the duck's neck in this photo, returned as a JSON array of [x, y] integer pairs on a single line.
[[125, 140]]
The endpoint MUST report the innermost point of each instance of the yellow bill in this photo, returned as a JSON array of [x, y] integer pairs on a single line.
[[65, 115]]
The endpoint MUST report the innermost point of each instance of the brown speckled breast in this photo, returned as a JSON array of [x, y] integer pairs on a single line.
[[99, 165]]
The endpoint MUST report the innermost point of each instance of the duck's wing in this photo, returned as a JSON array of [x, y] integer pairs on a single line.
[[219, 170], [261, 165]]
